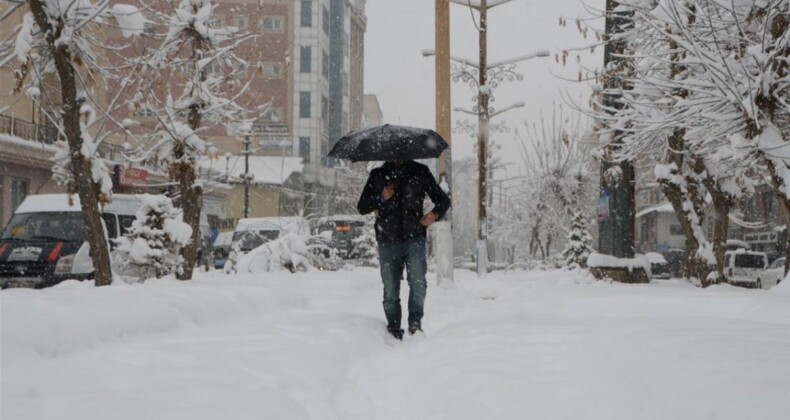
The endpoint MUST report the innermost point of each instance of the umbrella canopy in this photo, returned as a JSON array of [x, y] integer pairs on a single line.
[[389, 142]]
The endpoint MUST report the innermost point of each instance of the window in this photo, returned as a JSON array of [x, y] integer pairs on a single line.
[[272, 115], [241, 22], [304, 149], [19, 188], [126, 223], [307, 14], [676, 230], [145, 111], [216, 22], [112, 226], [149, 29], [272, 70], [324, 108], [304, 104], [272, 24], [305, 59], [326, 20], [749, 261], [325, 65]]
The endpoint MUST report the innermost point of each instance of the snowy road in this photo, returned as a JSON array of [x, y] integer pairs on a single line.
[[541, 345]]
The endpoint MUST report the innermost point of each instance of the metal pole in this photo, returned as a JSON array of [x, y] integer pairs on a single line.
[[443, 243], [246, 176], [482, 145]]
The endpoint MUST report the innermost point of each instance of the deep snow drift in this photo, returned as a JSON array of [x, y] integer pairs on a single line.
[[541, 345]]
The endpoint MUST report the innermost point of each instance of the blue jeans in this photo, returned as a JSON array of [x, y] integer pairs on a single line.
[[393, 258]]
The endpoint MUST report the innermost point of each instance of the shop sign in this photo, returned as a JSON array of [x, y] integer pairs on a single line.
[[131, 177]]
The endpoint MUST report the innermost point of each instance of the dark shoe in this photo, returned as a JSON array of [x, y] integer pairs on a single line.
[[414, 327], [396, 332]]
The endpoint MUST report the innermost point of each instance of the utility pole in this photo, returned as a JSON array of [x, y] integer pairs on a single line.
[[246, 176], [443, 243], [482, 143]]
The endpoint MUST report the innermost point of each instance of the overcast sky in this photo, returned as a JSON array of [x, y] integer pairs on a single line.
[[403, 80]]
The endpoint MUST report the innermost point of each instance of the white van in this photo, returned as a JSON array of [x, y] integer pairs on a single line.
[[744, 268], [44, 243]]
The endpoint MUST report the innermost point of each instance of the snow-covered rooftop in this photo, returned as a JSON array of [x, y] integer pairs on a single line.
[[264, 169], [661, 208]]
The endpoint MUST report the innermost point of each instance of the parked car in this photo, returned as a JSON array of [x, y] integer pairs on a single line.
[[44, 243], [251, 233], [344, 230], [744, 268], [774, 274], [221, 248], [659, 268]]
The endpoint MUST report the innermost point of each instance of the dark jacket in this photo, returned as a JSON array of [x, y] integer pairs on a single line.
[[398, 219]]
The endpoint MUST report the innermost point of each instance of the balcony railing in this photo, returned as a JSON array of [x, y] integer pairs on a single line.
[[27, 130]]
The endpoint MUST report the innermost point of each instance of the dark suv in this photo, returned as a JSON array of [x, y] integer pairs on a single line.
[[345, 229]]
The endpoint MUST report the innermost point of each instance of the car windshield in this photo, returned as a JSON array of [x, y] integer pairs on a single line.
[[59, 226], [778, 263], [251, 239], [749, 261]]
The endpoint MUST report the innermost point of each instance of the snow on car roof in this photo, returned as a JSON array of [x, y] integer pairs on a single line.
[[655, 257], [60, 203], [270, 223], [661, 208]]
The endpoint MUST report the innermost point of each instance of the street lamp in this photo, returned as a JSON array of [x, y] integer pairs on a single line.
[[485, 79]]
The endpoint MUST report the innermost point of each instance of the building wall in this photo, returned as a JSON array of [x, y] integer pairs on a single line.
[[264, 202], [267, 92], [22, 175]]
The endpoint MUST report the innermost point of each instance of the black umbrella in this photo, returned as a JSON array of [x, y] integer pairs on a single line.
[[389, 142]]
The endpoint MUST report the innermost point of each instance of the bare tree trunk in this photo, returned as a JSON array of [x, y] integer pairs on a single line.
[[722, 203], [780, 187], [690, 217], [80, 165], [191, 196], [191, 203]]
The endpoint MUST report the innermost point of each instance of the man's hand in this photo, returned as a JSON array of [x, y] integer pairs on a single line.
[[428, 219], [388, 192]]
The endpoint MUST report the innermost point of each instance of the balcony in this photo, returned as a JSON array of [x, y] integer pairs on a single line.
[[27, 130]]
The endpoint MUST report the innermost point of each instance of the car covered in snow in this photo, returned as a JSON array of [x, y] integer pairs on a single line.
[[221, 248], [44, 243], [253, 232], [342, 230], [774, 274], [745, 268], [659, 268]]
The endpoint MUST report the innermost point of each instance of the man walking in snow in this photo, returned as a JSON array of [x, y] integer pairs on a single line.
[[396, 192]]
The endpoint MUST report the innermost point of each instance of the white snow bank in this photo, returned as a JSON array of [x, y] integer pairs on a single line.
[[544, 345], [596, 260]]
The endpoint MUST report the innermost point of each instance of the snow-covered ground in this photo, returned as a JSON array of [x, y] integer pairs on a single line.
[[540, 345]]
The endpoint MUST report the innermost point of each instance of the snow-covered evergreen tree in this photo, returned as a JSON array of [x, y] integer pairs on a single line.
[[152, 246], [577, 249], [192, 82], [366, 247]]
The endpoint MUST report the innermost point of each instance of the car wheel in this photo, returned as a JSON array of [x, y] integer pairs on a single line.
[[759, 284]]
